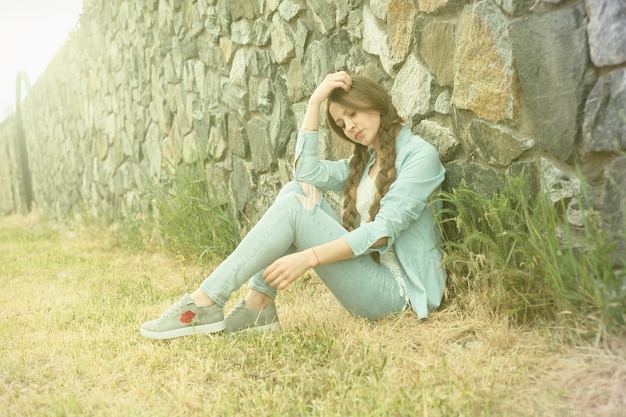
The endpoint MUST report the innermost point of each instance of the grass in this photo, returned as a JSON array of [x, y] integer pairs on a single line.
[[185, 215], [72, 301], [513, 251]]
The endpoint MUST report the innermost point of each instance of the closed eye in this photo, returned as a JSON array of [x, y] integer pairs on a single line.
[[350, 114]]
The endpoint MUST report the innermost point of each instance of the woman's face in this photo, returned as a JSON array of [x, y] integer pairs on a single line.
[[358, 125]]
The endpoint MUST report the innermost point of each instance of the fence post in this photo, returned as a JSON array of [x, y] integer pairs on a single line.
[[20, 139]]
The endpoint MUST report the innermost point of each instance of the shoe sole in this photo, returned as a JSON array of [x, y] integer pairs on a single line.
[[185, 331], [258, 329]]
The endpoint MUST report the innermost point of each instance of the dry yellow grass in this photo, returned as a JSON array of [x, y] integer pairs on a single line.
[[72, 302]]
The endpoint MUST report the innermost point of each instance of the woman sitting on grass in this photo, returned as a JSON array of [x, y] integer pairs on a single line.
[[377, 260]]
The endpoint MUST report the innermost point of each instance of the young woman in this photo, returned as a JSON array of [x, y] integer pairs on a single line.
[[378, 259]]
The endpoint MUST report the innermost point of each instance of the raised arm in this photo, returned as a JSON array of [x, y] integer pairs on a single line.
[[311, 120], [332, 81]]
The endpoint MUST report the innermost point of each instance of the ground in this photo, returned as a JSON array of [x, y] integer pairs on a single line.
[[72, 301]]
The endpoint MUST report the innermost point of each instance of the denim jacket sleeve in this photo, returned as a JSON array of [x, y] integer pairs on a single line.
[[330, 175], [419, 173]]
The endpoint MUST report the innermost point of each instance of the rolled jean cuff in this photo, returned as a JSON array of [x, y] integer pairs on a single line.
[[258, 284], [213, 296]]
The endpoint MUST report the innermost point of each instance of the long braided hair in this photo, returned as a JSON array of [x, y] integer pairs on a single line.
[[366, 94]]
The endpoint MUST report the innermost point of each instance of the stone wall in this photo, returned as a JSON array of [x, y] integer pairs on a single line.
[[496, 85]]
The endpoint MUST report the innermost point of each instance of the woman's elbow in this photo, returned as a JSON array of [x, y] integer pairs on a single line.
[[380, 242]]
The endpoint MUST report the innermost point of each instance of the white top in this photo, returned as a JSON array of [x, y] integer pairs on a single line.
[[365, 193]]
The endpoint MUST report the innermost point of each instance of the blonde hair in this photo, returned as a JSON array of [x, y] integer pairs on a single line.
[[366, 94]]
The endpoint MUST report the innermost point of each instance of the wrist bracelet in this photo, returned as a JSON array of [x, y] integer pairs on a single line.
[[315, 253]]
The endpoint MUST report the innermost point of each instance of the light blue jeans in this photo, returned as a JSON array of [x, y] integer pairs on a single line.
[[363, 287]]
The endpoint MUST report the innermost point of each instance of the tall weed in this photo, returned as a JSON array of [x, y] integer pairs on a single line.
[[512, 254], [186, 216]]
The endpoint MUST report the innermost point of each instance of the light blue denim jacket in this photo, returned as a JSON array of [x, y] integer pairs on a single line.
[[405, 217]]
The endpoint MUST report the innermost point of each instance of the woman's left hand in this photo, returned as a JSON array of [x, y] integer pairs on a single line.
[[283, 271]]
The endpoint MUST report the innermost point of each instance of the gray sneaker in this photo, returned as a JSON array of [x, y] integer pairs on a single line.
[[243, 319], [184, 318]]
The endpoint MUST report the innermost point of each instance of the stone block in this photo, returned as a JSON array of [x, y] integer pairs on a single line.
[[282, 122], [551, 55], [516, 7], [435, 6], [318, 62], [294, 81], [191, 151], [560, 185], [437, 48], [238, 72], [241, 32], [264, 93], [480, 179], [261, 63], [288, 9], [604, 126], [530, 171], [241, 183], [199, 73], [341, 43], [237, 138], [282, 40], [152, 150], [172, 146], [498, 145], [261, 150], [236, 98], [485, 81], [614, 208], [210, 52], [376, 41], [321, 13], [412, 89], [217, 144], [401, 16], [564, 189], [607, 31], [441, 137], [212, 27], [243, 9], [301, 35], [443, 104], [261, 32], [379, 8]]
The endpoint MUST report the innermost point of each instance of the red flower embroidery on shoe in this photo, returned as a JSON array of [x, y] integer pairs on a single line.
[[187, 317]]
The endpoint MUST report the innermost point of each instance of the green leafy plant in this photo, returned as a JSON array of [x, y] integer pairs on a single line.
[[512, 253], [187, 215]]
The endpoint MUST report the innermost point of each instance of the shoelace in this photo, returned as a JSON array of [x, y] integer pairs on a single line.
[[237, 308], [170, 311]]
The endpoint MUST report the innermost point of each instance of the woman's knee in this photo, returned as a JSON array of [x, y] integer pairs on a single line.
[[290, 187], [308, 194], [311, 197]]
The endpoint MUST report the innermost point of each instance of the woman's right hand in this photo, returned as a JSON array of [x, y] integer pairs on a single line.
[[339, 79], [332, 81]]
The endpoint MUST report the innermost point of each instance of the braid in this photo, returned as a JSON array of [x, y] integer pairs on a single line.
[[387, 174], [357, 165]]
